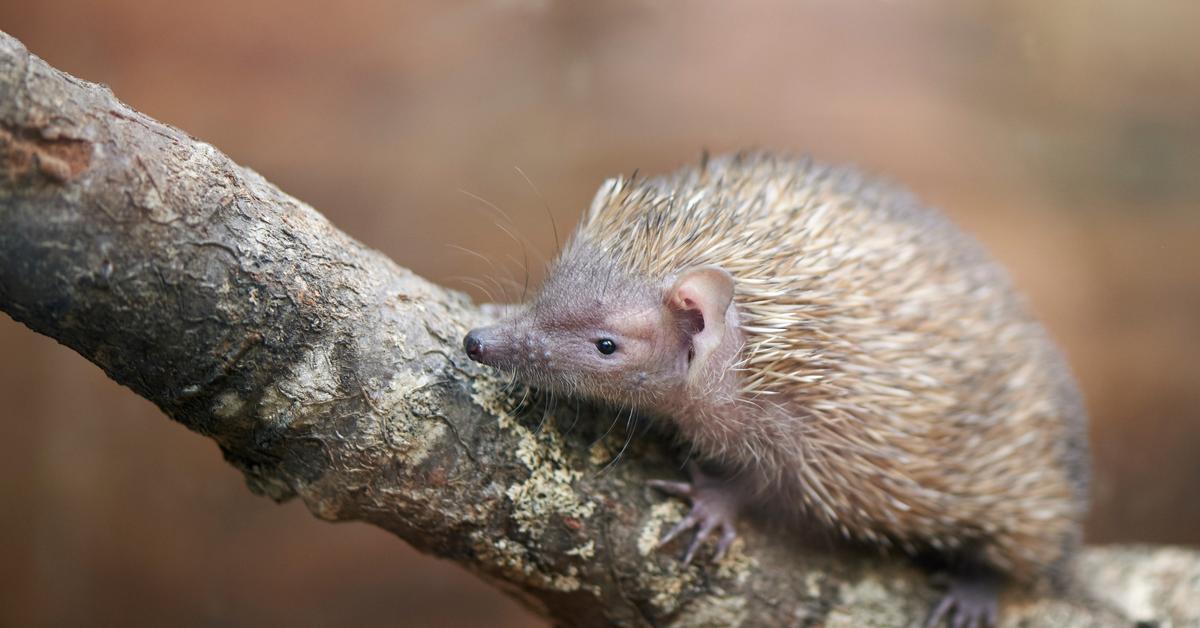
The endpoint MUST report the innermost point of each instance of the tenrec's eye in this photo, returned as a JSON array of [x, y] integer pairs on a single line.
[[606, 346]]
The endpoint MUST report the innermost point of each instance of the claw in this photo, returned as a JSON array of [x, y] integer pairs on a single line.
[[939, 612], [714, 506], [728, 534], [705, 531], [684, 524], [971, 602], [678, 489]]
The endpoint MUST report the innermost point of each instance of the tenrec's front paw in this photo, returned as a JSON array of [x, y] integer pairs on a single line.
[[715, 506]]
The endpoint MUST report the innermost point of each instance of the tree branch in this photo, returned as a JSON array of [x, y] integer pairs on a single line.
[[324, 371]]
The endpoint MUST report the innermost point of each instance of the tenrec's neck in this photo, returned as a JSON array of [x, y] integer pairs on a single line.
[[710, 411]]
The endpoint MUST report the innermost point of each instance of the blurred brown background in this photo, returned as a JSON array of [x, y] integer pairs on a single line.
[[1066, 135]]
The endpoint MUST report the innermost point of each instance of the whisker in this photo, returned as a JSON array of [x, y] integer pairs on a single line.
[[503, 218], [603, 436], [475, 283], [487, 203], [473, 253], [576, 419], [546, 205], [547, 410], [525, 397], [524, 259], [630, 430]]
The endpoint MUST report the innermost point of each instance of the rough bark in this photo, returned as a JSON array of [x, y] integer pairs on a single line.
[[326, 372]]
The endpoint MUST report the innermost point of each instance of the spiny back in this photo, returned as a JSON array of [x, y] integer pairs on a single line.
[[827, 263]]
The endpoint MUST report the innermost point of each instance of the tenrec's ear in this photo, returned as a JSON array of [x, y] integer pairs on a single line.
[[699, 300]]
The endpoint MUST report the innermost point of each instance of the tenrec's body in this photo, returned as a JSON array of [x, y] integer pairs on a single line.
[[829, 344]]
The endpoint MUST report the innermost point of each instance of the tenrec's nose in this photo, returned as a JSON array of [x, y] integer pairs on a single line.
[[473, 346]]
